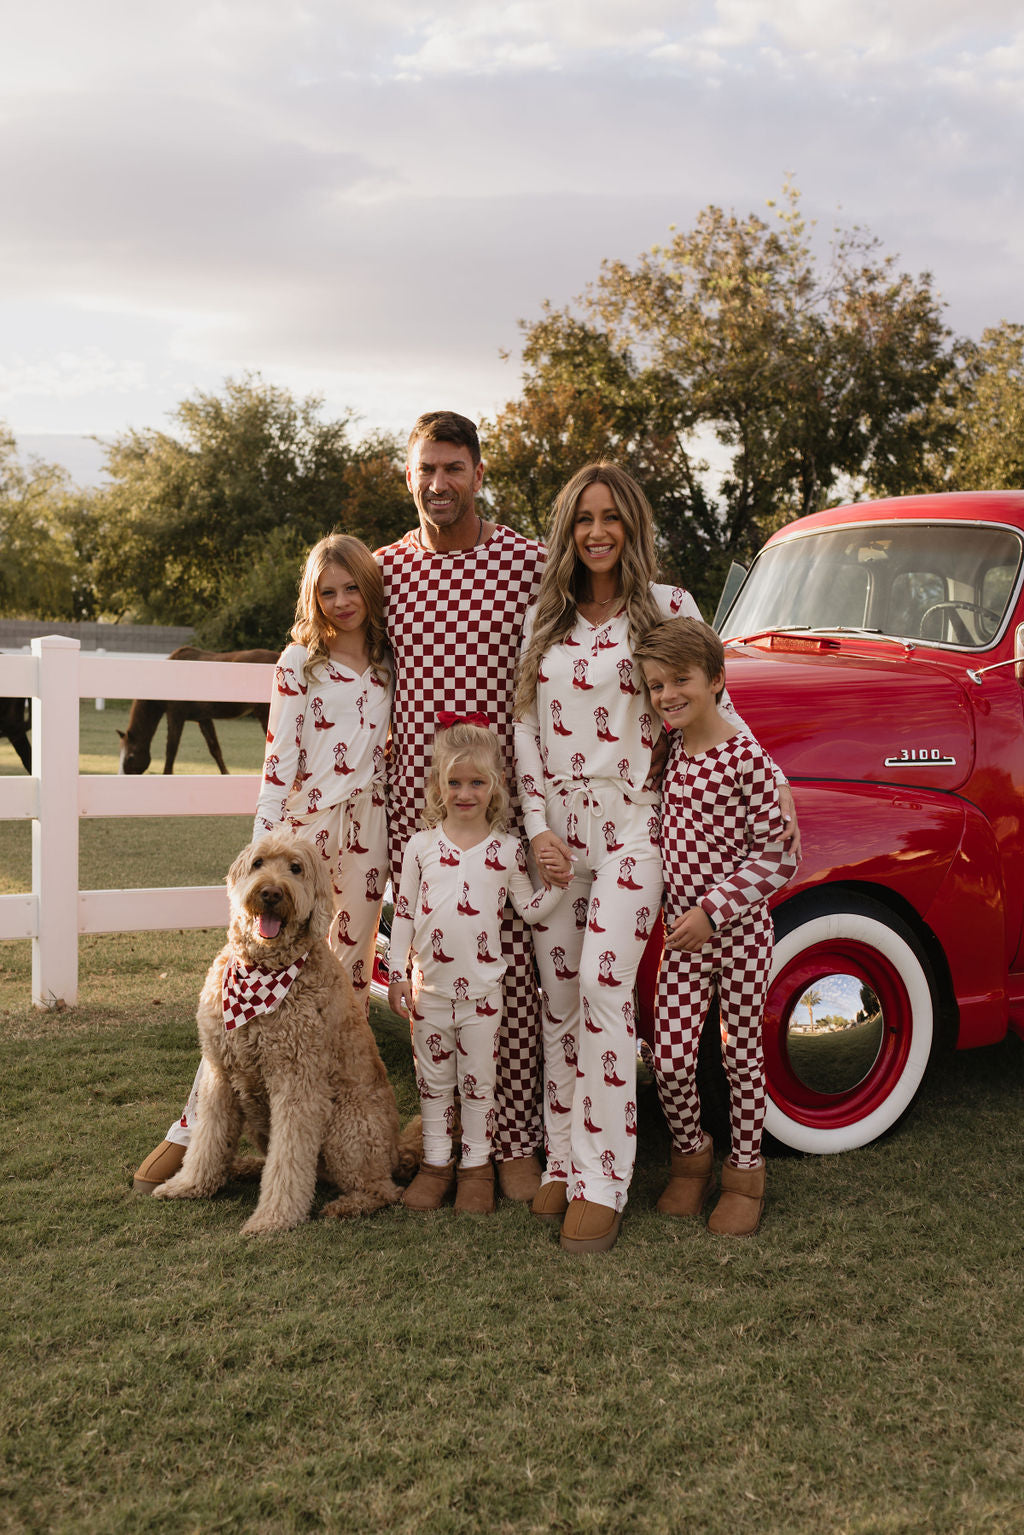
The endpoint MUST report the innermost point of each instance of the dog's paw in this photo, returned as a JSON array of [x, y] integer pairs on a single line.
[[181, 1188], [263, 1223], [361, 1202], [169, 1190]]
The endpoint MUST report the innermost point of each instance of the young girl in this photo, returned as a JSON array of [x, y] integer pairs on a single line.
[[324, 769], [326, 739], [456, 877]]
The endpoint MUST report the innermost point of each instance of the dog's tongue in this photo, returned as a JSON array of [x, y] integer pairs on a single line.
[[269, 926]]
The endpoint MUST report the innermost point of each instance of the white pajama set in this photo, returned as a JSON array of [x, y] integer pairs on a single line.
[[448, 918], [455, 621], [324, 778], [721, 831], [584, 761]]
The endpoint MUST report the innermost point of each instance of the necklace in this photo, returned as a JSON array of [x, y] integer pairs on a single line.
[[592, 602], [425, 543]]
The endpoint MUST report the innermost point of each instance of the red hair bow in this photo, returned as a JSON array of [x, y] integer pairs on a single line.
[[445, 720]]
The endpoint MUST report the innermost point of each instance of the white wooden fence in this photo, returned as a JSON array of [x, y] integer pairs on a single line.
[[56, 676]]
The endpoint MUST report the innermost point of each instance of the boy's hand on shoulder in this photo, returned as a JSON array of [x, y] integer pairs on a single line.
[[690, 932]]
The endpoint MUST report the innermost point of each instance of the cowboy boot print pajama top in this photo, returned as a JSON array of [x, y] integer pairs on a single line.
[[324, 776]]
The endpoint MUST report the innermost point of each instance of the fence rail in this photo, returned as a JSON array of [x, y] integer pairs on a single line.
[[56, 676]]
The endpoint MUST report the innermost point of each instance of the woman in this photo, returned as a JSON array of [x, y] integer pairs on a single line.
[[588, 755]]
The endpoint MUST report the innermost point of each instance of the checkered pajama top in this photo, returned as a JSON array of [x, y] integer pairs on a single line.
[[454, 621], [721, 830]]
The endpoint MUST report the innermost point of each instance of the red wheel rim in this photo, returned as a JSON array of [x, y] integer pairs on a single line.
[[833, 1111]]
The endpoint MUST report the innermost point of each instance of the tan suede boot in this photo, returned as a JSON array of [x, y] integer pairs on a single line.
[[519, 1178], [738, 1211], [431, 1187], [589, 1227], [690, 1184], [474, 1193], [551, 1201], [162, 1163]]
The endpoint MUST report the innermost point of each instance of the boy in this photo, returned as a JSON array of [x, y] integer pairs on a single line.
[[722, 852]]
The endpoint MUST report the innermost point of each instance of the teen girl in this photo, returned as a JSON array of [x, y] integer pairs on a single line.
[[456, 878], [323, 775], [585, 755], [327, 736]]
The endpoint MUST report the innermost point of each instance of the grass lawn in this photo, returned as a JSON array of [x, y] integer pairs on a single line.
[[857, 1367]]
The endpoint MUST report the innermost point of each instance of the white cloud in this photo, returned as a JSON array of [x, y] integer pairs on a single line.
[[377, 192], [875, 29], [69, 375]]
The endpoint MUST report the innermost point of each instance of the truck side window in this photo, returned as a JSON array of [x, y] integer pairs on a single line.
[[997, 586]]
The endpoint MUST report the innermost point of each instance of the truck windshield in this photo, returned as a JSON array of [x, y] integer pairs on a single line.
[[938, 583]]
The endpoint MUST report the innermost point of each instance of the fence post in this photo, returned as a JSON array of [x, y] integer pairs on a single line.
[[55, 747]]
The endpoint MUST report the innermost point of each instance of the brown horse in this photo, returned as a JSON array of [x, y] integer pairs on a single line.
[[146, 714], [15, 714]]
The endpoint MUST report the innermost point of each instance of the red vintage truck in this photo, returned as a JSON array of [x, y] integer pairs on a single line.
[[877, 651]]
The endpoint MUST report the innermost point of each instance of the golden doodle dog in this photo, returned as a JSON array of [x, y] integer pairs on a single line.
[[289, 1055]]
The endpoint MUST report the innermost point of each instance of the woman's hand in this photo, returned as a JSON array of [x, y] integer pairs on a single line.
[[554, 861], [791, 836]]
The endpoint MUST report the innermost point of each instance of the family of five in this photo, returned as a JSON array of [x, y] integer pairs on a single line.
[[425, 680]]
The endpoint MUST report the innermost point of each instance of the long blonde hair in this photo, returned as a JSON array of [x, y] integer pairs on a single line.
[[565, 579], [467, 743], [311, 627]]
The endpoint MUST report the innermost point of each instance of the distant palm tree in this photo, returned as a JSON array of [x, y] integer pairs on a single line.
[[810, 999]]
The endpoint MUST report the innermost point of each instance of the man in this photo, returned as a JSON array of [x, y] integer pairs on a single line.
[[456, 588], [456, 591]]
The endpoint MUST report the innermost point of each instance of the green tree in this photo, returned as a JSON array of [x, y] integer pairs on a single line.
[[802, 378], [807, 374], [208, 525], [39, 568], [810, 1000], [986, 412], [584, 398]]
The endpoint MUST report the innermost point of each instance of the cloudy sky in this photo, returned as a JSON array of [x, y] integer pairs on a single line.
[[360, 198]]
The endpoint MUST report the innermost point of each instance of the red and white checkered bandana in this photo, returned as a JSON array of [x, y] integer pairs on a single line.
[[246, 992]]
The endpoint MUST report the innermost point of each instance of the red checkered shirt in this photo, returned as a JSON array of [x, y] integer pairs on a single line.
[[454, 621], [721, 830]]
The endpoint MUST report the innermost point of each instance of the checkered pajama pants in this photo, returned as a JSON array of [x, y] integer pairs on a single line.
[[355, 872], [455, 621], [456, 1045], [735, 963]]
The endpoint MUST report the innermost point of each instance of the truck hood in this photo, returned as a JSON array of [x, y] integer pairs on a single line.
[[826, 714]]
